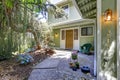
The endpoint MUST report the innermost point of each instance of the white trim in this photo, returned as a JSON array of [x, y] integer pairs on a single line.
[[81, 21], [95, 48], [62, 42], [76, 42], [118, 39], [99, 2]]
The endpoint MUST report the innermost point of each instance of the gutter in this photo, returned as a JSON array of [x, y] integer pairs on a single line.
[[70, 23]]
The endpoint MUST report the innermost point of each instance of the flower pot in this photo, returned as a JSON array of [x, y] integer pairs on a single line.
[[74, 68], [74, 56], [85, 69], [77, 66], [71, 64]]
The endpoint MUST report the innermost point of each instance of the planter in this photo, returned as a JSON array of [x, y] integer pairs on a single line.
[[74, 68], [77, 65], [71, 64], [74, 56], [85, 69]]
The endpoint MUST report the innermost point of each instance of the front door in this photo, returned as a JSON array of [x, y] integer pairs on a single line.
[[69, 39]]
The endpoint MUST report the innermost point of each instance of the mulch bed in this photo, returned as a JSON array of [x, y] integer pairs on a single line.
[[11, 70]]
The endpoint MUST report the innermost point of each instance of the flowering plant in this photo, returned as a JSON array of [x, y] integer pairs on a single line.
[[74, 55]]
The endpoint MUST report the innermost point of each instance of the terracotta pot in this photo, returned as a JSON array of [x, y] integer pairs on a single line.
[[71, 64]]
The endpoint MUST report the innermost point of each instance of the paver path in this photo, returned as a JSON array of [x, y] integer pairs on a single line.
[[56, 67]]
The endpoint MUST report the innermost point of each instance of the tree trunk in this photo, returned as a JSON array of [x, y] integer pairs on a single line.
[[35, 37]]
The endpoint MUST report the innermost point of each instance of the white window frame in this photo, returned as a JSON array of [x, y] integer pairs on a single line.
[[86, 35]]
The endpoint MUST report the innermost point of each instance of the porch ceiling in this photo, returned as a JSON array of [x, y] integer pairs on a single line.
[[87, 8]]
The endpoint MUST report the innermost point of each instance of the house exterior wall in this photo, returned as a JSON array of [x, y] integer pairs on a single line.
[[73, 14], [108, 43], [82, 39], [86, 39], [56, 39]]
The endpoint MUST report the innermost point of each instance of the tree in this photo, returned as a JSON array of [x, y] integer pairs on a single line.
[[20, 14]]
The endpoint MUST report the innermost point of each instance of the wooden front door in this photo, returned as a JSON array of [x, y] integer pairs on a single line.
[[69, 39]]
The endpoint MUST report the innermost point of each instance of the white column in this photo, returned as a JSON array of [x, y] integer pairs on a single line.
[[118, 39], [95, 49], [98, 38]]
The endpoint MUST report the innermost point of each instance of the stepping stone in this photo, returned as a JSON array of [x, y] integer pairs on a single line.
[[49, 63]]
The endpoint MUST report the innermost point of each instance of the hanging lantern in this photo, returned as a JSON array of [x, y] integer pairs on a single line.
[[56, 35], [108, 15]]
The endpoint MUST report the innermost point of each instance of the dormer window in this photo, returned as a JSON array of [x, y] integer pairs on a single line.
[[61, 12], [65, 8]]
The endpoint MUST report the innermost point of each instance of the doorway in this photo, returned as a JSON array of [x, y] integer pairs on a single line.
[[69, 39]]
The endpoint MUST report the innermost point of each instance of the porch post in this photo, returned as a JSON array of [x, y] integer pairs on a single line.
[[98, 37], [107, 41], [118, 39]]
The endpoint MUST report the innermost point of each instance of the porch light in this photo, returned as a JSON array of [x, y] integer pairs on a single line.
[[56, 34], [108, 15]]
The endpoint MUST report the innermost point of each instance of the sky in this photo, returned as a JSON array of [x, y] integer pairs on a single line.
[[55, 1]]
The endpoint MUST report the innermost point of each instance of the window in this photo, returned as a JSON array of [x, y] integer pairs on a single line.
[[87, 31], [63, 34], [65, 8], [63, 12], [75, 34]]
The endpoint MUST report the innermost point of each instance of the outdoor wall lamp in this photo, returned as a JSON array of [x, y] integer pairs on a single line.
[[108, 15], [56, 34]]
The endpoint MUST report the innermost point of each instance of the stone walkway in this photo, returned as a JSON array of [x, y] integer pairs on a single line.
[[56, 67]]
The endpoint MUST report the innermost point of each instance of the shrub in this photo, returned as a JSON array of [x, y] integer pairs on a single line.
[[24, 58]]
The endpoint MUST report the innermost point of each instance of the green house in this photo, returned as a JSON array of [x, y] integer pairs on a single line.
[[91, 21], [73, 31]]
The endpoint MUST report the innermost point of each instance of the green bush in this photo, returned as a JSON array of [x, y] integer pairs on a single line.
[[74, 56]]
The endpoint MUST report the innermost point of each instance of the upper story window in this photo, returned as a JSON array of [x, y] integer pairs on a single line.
[[62, 12], [66, 9]]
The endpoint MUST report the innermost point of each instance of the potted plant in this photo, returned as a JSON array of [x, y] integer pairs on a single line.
[[74, 55], [71, 64], [74, 68], [77, 65]]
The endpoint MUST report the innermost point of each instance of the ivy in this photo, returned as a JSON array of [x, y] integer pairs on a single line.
[[9, 3]]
